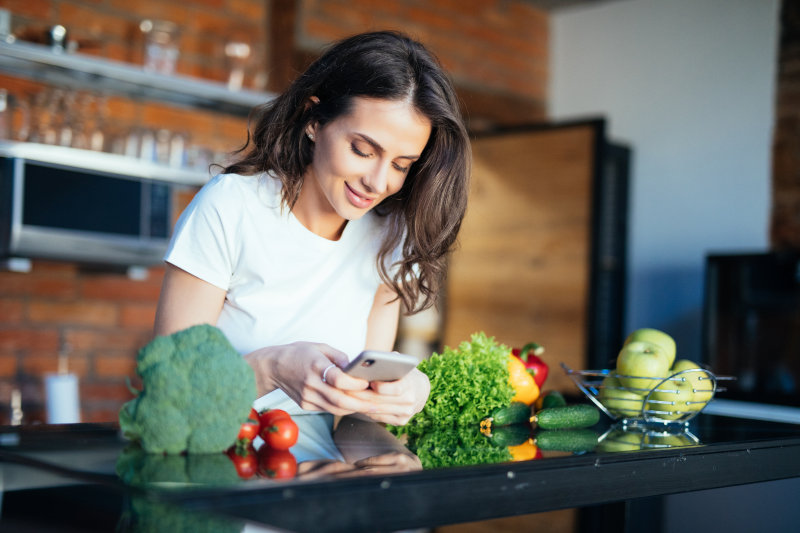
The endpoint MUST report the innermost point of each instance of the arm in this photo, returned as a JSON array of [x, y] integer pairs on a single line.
[[297, 368], [382, 320], [186, 301]]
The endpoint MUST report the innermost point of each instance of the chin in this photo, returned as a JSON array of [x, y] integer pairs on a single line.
[[354, 214]]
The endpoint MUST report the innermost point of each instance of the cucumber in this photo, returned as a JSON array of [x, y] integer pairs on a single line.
[[515, 413], [553, 398], [568, 417], [513, 435], [567, 440]]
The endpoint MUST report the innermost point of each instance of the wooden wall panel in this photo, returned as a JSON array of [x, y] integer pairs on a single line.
[[521, 272]]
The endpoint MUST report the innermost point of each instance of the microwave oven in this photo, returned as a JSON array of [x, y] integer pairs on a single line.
[[76, 205]]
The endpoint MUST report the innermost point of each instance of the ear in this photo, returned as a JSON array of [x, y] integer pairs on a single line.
[[311, 128], [311, 131]]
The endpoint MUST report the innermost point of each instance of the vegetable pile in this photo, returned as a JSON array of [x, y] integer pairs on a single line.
[[482, 404], [197, 390], [273, 458], [466, 383]]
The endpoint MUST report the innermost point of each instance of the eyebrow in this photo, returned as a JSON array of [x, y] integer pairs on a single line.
[[372, 142]]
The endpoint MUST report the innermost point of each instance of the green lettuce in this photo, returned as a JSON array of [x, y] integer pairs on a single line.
[[467, 384], [460, 446]]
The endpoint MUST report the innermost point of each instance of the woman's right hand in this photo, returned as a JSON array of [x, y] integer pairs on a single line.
[[298, 370]]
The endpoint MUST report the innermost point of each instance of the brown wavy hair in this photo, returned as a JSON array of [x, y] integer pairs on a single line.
[[424, 216]]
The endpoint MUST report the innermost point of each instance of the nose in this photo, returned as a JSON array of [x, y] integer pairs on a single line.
[[377, 180]]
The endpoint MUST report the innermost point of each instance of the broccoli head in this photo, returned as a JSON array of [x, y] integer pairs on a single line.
[[140, 469], [197, 390]]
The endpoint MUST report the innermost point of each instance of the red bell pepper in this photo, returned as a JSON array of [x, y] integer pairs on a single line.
[[529, 354]]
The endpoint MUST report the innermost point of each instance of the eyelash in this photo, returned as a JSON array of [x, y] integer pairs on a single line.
[[359, 153]]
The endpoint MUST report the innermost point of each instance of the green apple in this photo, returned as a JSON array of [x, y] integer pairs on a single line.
[[619, 440], [656, 337], [671, 399], [641, 365], [701, 381], [667, 440], [619, 400]]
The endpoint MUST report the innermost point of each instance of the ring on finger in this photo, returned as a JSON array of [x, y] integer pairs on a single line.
[[325, 373]]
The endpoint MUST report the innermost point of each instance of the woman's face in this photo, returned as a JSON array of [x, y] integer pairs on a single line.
[[362, 157]]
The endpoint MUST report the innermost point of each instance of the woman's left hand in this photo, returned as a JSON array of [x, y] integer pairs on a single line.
[[395, 402]]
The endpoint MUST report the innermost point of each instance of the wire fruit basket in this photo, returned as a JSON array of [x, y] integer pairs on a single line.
[[672, 400]]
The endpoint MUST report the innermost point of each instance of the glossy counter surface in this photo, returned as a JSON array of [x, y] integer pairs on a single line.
[[73, 468]]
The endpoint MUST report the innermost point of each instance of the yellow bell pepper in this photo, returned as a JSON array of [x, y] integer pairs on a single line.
[[525, 388], [525, 451]]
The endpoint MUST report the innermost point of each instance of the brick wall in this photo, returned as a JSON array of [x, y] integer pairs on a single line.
[[101, 318], [492, 44], [785, 226], [110, 28], [97, 319]]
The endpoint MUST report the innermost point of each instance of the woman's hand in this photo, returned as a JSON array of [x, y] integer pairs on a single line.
[[298, 370], [391, 402], [389, 463], [323, 468]]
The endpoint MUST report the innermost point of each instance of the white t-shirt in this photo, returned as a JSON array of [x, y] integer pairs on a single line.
[[284, 283]]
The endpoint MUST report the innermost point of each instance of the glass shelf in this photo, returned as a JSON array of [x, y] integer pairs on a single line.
[[102, 163], [41, 63]]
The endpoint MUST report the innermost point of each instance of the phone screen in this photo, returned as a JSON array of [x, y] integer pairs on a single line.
[[375, 365]]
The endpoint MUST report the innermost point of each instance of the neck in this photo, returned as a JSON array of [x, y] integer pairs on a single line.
[[314, 212]]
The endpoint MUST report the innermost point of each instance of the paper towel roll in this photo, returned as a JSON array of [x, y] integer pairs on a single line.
[[63, 405]]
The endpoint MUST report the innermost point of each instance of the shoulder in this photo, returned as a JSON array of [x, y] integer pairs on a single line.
[[231, 191], [238, 183]]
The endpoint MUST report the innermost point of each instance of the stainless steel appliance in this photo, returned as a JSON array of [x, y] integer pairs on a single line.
[[78, 205]]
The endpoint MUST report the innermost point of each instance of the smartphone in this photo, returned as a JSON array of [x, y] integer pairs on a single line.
[[374, 365]]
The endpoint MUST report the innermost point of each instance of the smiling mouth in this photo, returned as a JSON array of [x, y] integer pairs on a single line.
[[357, 199]]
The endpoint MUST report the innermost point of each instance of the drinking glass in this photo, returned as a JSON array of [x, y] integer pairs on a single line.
[[161, 45]]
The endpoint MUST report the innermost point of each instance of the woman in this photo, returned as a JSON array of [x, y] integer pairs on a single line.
[[341, 208]]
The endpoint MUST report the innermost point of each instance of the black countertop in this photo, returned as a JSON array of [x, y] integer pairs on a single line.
[[73, 468]]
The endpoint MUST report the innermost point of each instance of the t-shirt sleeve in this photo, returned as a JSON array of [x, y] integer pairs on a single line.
[[201, 243]]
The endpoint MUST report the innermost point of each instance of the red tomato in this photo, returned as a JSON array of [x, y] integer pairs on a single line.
[[250, 428], [248, 431], [266, 416], [276, 464], [281, 434], [245, 460]]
